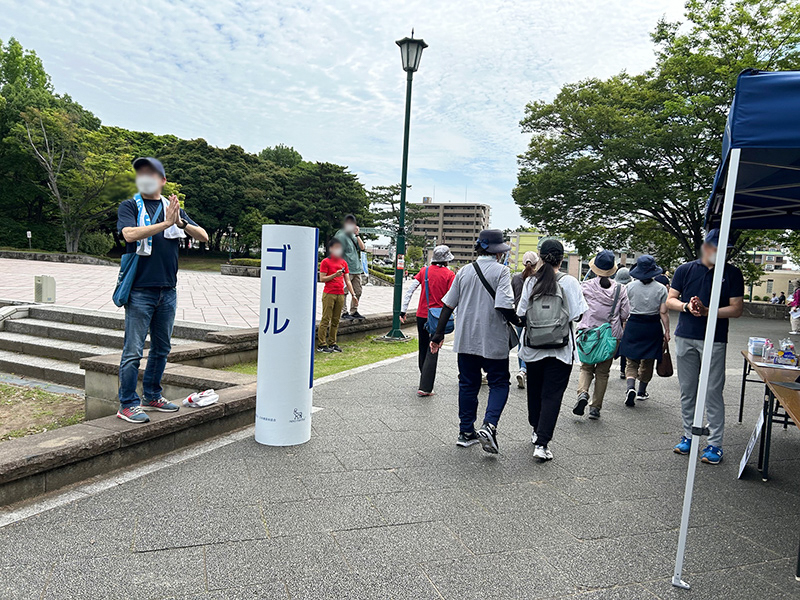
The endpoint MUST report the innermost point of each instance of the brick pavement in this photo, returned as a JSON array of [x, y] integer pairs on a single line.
[[202, 296]]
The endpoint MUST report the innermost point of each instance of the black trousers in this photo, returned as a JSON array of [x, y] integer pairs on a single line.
[[547, 381], [427, 361]]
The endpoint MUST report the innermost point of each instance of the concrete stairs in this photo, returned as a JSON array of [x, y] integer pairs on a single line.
[[48, 342]]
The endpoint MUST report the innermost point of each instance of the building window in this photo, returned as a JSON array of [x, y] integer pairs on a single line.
[[770, 258]]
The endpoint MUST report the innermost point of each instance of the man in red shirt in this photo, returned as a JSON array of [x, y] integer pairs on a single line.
[[335, 275], [439, 279]]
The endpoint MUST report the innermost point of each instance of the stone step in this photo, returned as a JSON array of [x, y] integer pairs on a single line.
[[38, 367], [84, 334], [51, 348], [115, 321]]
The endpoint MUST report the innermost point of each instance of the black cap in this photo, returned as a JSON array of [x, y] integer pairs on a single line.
[[350, 217], [149, 161]]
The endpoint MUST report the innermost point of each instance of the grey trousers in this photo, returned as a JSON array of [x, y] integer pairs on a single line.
[[689, 355]]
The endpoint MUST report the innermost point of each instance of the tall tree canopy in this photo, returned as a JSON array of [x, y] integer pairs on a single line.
[[384, 204], [629, 161], [283, 156]]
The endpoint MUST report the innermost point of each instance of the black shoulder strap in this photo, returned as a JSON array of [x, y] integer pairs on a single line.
[[485, 283]]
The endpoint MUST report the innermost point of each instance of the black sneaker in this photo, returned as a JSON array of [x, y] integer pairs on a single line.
[[630, 398], [322, 349], [622, 374], [580, 405], [465, 440], [487, 435], [642, 396], [357, 315], [334, 348], [594, 413], [346, 317]]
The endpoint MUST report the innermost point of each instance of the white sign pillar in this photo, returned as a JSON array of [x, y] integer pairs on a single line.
[[286, 334]]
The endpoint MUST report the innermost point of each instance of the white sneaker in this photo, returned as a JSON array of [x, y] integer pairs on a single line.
[[794, 333], [521, 379], [541, 453]]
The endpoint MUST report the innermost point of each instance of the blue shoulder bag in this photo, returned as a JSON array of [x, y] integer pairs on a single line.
[[130, 260], [434, 314]]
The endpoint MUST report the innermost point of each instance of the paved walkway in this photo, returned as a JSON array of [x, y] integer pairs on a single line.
[[382, 504], [202, 296]]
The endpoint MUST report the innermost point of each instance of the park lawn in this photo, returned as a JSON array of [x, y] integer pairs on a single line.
[[28, 410], [356, 353], [201, 263]]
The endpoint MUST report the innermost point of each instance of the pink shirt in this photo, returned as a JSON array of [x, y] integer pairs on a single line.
[[600, 300]]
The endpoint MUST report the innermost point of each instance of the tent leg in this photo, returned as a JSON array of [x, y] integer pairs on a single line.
[[705, 365]]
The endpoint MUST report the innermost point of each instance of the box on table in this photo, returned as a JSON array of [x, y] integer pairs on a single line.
[[755, 345]]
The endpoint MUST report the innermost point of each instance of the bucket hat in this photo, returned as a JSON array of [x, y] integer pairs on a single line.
[[623, 276], [646, 268], [442, 254], [492, 241], [530, 257], [604, 264]]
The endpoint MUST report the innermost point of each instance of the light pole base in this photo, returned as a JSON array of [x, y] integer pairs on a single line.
[[395, 335], [680, 583]]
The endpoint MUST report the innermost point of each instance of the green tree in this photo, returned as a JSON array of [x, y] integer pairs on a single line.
[[613, 160], [384, 204], [320, 195], [248, 230], [220, 184], [283, 156], [78, 165]]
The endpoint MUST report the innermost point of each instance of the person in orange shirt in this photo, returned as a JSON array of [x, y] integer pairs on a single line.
[[334, 273]]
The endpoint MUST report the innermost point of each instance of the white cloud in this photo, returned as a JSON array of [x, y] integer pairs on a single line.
[[324, 75]]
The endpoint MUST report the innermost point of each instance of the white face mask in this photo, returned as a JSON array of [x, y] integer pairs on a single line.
[[350, 228], [336, 252], [712, 257], [148, 184]]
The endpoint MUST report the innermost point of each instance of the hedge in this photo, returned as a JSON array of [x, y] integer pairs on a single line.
[[246, 262]]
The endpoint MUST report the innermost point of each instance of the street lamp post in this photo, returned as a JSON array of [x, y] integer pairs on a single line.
[[410, 52]]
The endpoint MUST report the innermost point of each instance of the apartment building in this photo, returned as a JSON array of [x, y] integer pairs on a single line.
[[456, 224]]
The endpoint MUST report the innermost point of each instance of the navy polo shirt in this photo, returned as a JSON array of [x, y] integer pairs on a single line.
[[160, 269], [694, 279]]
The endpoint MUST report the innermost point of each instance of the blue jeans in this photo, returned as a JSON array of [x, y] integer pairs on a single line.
[[153, 310], [522, 366], [469, 384]]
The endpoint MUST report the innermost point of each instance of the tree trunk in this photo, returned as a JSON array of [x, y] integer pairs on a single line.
[[72, 237]]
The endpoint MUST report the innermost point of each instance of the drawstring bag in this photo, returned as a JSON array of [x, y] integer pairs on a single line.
[[435, 313], [598, 344]]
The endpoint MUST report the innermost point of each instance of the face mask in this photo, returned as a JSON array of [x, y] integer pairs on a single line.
[[712, 258], [350, 228], [147, 184], [336, 252]]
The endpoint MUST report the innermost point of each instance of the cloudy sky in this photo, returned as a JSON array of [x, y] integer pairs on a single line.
[[324, 76]]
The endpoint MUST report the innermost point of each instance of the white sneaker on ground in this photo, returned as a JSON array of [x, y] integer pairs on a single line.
[[541, 453], [521, 379]]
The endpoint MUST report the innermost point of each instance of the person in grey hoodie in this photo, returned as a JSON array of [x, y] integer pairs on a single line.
[[623, 276]]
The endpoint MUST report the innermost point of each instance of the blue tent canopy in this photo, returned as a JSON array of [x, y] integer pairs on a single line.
[[764, 122]]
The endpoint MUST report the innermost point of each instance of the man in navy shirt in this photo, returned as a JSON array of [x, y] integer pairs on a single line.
[[690, 294], [152, 301]]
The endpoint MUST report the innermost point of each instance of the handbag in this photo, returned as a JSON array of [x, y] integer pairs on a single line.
[[513, 338], [598, 344], [664, 364], [127, 271], [435, 313]]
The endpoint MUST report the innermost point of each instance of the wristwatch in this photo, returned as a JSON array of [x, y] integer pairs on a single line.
[[182, 223], [686, 308]]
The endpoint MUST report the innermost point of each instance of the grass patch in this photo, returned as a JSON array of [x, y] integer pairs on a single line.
[[27, 410], [199, 263], [356, 353]]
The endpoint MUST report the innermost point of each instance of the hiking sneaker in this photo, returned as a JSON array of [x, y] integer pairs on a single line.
[[334, 348], [712, 455], [487, 435], [357, 315], [642, 396], [594, 413], [542, 454], [322, 349], [580, 405], [630, 398], [467, 439], [683, 446], [346, 317], [160, 405], [133, 414], [521, 379]]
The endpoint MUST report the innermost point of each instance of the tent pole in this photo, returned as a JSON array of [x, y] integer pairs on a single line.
[[705, 365]]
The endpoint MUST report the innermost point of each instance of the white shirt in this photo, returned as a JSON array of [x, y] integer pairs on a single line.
[[577, 306], [480, 329]]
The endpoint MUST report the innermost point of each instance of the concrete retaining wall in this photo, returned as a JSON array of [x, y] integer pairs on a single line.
[[240, 270], [765, 310], [80, 259]]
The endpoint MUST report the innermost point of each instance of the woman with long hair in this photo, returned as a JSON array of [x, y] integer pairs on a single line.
[[530, 260], [647, 329], [608, 303], [548, 344]]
